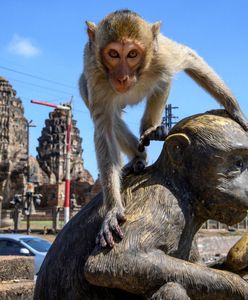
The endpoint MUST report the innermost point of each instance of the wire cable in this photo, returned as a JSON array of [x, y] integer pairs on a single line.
[[36, 77]]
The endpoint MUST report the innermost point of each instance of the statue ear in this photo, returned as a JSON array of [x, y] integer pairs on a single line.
[[91, 30], [176, 144]]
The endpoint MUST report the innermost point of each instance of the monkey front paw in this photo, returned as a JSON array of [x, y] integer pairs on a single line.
[[109, 226], [152, 134], [170, 291], [241, 119], [135, 166]]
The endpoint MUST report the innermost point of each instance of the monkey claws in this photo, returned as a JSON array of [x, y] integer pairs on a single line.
[[152, 134], [111, 225], [135, 166]]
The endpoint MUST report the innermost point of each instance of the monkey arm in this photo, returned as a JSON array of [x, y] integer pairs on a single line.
[[126, 139], [149, 128], [108, 157], [129, 145], [206, 77], [155, 107], [145, 272]]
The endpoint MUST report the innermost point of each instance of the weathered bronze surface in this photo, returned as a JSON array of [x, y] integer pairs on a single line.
[[200, 174]]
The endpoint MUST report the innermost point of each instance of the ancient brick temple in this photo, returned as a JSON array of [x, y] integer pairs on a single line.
[[51, 158], [47, 171], [13, 142]]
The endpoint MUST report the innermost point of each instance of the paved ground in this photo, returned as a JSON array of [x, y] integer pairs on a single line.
[[213, 244]]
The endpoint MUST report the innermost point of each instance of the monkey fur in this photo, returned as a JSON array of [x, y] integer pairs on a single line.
[[125, 60]]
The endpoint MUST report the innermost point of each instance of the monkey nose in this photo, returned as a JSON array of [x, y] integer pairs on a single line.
[[123, 80]]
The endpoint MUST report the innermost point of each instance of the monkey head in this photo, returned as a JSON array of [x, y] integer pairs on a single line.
[[210, 153], [123, 43]]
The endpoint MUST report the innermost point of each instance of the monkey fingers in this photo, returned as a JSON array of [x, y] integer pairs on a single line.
[[105, 237], [152, 134], [135, 166], [241, 120], [110, 225], [114, 226], [138, 166]]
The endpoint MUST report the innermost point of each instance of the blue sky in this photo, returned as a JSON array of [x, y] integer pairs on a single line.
[[45, 39]]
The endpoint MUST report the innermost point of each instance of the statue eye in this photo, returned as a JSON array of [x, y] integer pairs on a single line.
[[132, 54], [113, 53], [239, 163]]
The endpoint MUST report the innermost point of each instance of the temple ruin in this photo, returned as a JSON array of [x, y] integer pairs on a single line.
[[47, 170], [51, 158], [13, 143]]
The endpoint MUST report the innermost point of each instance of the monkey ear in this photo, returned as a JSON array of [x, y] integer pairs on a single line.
[[91, 30], [176, 144], [156, 28]]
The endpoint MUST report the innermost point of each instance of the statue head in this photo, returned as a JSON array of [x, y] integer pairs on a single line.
[[209, 154]]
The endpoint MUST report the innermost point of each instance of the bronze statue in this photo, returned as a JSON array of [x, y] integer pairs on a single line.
[[201, 174]]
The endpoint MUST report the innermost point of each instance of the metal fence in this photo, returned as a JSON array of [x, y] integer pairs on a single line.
[[212, 224], [53, 218]]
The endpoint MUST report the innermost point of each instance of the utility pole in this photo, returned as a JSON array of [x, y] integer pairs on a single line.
[[168, 117], [68, 169], [28, 202], [68, 108], [29, 124]]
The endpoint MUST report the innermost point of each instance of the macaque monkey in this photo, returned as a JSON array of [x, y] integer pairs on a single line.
[[125, 60]]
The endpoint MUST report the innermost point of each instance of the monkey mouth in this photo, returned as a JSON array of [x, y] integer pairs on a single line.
[[120, 87]]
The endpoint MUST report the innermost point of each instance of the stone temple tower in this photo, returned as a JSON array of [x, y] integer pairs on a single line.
[[51, 158], [13, 142], [51, 149]]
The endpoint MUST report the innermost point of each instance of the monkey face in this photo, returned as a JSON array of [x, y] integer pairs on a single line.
[[122, 61]]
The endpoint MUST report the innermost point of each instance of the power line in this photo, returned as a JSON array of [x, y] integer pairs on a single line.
[[39, 86], [37, 77]]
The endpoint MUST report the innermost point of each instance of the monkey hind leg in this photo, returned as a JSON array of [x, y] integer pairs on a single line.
[[170, 291], [135, 166]]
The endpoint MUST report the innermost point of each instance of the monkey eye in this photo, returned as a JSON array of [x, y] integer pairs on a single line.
[[132, 54], [113, 53]]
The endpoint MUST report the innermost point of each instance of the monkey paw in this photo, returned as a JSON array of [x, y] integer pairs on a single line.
[[170, 291], [135, 166], [241, 120], [109, 226], [152, 134]]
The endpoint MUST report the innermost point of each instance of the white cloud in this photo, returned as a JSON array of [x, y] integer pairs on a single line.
[[22, 46]]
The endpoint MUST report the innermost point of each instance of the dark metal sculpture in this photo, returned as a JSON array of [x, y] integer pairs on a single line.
[[200, 174]]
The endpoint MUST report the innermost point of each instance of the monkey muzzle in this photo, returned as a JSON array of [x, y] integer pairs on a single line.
[[123, 84]]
